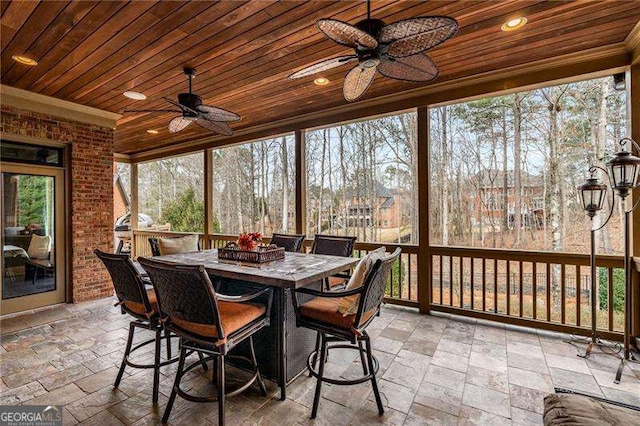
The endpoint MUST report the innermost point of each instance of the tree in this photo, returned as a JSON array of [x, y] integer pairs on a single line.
[[186, 213]]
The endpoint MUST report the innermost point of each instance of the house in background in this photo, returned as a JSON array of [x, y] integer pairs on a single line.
[[488, 198], [376, 206]]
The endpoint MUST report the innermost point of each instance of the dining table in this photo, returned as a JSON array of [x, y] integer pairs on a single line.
[[282, 349]]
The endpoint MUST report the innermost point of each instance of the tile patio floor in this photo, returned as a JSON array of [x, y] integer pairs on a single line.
[[434, 370]]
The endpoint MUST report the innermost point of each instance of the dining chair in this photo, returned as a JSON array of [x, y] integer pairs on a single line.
[[208, 323], [334, 245], [290, 242], [155, 246], [323, 314], [140, 302]]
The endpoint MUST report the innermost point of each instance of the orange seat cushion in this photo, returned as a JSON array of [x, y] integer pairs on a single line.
[[233, 317], [337, 281], [138, 308], [325, 309]]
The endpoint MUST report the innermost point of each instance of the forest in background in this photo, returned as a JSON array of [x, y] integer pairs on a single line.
[[504, 174], [506, 168]]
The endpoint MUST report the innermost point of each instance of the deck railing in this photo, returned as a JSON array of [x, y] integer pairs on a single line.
[[539, 289], [402, 288]]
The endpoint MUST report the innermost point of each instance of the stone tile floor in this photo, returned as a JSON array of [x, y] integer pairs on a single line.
[[434, 370]]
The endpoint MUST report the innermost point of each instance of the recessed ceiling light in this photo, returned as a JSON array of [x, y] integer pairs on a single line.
[[514, 24], [153, 132], [135, 95], [24, 60], [321, 81]]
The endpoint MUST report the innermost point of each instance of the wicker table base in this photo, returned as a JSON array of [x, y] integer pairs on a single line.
[[282, 348]]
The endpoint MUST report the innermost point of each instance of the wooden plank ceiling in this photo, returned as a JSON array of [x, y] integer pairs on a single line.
[[90, 52]]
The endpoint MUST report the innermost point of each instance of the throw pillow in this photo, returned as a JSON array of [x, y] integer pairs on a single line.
[[39, 247], [348, 305], [186, 244]]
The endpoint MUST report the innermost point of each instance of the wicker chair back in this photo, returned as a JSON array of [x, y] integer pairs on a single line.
[[291, 243], [126, 279], [155, 246], [184, 292], [333, 245]]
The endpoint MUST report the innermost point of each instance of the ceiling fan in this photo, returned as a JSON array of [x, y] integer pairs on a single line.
[[192, 110], [395, 50]]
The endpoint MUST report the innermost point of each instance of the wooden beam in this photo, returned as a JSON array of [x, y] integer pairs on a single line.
[[208, 196], [36, 102], [121, 158], [424, 254], [134, 206], [301, 182], [633, 96], [633, 43]]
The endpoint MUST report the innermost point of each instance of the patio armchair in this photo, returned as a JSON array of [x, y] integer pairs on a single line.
[[325, 314], [291, 243], [208, 323]]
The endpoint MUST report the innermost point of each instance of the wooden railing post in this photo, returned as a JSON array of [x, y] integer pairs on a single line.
[[301, 182], [134, 207], [208, 197], [424, 253]]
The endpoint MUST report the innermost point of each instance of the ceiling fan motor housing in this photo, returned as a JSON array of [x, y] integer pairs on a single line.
[[190, 100], [371, 26]]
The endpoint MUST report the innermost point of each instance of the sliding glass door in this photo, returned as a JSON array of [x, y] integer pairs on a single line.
[[33, 238]]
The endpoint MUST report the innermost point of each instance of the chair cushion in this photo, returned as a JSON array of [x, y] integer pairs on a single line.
[[568, 409], [186, 244], [349, 304], [325, 309], [39, 247], [337, 282], [233, 317], [138, 308]]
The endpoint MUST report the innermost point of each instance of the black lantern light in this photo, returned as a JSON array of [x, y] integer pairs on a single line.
[[592, 194], [623, 170]]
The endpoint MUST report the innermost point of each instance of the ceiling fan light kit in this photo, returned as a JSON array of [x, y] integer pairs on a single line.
[[192, 110], [396, 50]]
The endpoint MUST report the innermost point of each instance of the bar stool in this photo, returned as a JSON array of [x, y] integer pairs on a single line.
[[208, 323], [323, 315], [139, 302]]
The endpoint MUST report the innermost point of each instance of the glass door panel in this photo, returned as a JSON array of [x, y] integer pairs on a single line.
[[32, 237]]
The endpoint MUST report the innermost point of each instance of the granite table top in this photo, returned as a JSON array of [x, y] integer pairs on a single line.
[[294, 271]]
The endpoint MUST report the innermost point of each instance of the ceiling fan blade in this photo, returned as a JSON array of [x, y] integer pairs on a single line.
[[150, 110], [323, 66], [215, 126], [178, 124], [418, 67], [411, 36], [217, 114], [357, 82], [346, 34]]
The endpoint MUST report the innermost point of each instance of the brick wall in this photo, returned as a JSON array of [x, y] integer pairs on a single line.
[[91, 193]]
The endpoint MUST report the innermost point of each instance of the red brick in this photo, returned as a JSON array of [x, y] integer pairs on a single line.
[[91, 192]]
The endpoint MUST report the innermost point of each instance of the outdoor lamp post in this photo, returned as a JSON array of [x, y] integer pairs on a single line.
[[623, 173], [592, 194]]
